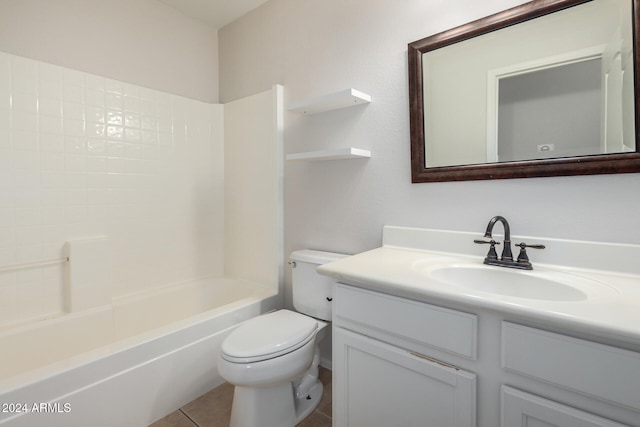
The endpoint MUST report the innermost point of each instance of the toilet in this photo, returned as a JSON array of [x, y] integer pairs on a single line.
[[272, 360]]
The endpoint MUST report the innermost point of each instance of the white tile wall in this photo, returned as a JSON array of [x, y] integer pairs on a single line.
[[88, 278], [82, 156]]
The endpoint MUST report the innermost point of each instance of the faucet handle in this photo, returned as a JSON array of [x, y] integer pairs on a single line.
[[486, 242], [522, 257], [492, 250], [523, 245]]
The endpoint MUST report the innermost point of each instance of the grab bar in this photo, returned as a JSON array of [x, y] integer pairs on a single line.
[[33, 264]]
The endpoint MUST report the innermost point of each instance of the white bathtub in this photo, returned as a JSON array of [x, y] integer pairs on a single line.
[[125, 364]]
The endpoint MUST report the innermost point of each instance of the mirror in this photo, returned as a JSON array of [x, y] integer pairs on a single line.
[[546, 88]]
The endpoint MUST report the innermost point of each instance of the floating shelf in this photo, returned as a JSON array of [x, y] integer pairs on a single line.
[[335, 154], [333, 101]]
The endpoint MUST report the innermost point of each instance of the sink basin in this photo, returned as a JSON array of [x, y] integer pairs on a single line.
[[537, 285]]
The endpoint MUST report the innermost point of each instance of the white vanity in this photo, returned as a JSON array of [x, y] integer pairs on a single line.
[[425, 334]]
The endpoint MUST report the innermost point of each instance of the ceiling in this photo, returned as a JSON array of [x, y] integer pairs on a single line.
[[216, 13]]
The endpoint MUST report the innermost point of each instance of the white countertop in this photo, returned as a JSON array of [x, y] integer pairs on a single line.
[[399, 270]]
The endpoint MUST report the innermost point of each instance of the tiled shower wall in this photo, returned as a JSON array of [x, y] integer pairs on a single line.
[[84, 156]]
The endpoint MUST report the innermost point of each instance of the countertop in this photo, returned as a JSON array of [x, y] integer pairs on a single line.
[[613, 314]]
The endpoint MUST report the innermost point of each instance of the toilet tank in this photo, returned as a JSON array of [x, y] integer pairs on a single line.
[[312, 292]]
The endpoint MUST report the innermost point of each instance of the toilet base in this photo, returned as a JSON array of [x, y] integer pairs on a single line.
[[306, 404], [272, 406], [263, 407]]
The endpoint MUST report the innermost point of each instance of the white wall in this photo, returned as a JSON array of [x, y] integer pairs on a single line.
[[313, 48], [144, 42]]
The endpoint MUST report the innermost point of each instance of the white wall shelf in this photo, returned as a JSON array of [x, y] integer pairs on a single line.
[[333, 101], [334, 154]]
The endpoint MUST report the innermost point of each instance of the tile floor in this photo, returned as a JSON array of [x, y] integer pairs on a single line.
[[213, 409]]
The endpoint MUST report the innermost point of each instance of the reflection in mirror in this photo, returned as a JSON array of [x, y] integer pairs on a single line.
[[552, 95], [567, 98]]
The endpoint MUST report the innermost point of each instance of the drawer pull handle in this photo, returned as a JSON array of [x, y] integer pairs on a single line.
[[329, 299], [439, 362]]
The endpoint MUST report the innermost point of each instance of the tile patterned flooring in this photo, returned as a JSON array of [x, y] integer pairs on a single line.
[[213, 409]]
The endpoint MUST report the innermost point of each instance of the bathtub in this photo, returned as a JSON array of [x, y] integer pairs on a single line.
[[125, 364]]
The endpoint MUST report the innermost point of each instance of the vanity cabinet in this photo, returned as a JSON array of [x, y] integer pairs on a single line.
[[382, 376], [401, 362], [424, 328]]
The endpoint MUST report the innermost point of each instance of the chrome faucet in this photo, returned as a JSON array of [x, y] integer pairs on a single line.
[[506, 259]]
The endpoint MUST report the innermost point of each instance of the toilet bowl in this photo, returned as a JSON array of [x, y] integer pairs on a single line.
[[266, 391], [272, 360], [269, 349]]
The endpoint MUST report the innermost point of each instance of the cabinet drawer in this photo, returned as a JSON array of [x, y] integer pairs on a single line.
[[520, 409], [448, 330], [601, 371]]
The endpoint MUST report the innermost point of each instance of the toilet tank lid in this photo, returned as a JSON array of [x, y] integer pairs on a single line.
[[316, 257]]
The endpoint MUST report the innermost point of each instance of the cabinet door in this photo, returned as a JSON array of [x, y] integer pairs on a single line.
[[520, 409], [379, 385]]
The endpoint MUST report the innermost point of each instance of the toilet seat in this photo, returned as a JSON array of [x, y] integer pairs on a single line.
[[268, 336]]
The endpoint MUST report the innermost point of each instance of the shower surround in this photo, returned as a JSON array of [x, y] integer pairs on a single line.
[[126, 223], [83, 156]]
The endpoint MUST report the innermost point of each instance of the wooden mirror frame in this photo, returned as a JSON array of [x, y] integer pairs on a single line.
[[584, 165]]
